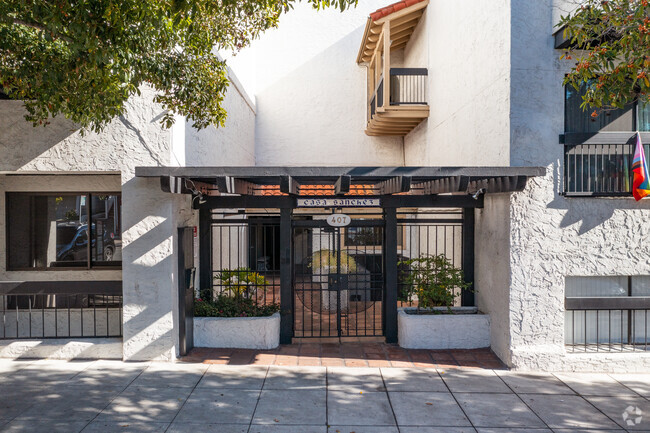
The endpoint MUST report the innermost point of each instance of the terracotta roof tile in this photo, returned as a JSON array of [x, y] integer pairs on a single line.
[[385, 11]]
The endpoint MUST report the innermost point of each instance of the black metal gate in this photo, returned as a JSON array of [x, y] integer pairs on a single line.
[[186, 273], [338, 278]]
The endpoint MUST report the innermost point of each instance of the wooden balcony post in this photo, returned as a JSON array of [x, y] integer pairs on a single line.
[[386, 34]]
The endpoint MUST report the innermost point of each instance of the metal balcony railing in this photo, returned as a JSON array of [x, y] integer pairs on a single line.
[[76, 309], [607, 324], [598, 169], [408, 86]]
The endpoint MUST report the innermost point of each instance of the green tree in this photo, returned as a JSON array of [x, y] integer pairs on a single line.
[[611, 48], [84, 58]]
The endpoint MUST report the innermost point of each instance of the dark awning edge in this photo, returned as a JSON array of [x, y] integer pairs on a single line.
[[377, 181]]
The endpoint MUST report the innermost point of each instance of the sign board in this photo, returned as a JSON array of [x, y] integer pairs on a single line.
[[338, 220], [338, 202]]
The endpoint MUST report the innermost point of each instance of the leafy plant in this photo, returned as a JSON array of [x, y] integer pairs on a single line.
[[85, 59], [433, 279], [228, 306], [236, 300], [71, 215], [611, 52], [240, 282]]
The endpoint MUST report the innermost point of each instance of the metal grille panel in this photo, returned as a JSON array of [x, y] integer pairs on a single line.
[[338, 279]]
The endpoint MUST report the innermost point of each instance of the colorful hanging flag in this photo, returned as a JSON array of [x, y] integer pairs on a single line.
[[640, 182]]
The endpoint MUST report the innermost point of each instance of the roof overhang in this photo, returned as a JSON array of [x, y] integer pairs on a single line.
[[403, 17], [384, 182]]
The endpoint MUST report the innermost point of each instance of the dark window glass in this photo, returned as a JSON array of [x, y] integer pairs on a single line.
[[643, 117], [579, 120], [368, 236], [50, 231], [106, 231], [363, 236], [600, 169]]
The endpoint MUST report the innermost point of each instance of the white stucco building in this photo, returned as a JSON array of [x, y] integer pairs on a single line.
[[472, 149]]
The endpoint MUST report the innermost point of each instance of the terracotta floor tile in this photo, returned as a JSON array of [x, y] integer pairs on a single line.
[[309, 361], [286, 360], [495, 364], [348, 354], [401, 364], [447, 366], [264, 359], [356, 363], [443, 358], [216, 361], [378, 363], [310, 349], [375, 356], [420, 356], [331, 362], [289, 349]]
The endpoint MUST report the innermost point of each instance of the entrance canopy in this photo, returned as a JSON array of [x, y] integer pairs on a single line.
[[393, 186]]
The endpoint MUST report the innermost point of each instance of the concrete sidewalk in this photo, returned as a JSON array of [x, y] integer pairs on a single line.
[[112, 396]]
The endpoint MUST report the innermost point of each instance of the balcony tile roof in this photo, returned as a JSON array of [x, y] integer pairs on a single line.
[[385, 11]]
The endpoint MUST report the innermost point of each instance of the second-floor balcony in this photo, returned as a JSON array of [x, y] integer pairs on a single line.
[[406, 106], [398, 104]]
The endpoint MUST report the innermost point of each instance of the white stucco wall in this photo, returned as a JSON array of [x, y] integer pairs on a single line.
[[551, 236], [234, 143], [466, 47], [310, 93], [58, 152], [492, 270]]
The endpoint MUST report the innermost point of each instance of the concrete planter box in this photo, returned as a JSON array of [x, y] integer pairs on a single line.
[[237, 332], [463, 330]]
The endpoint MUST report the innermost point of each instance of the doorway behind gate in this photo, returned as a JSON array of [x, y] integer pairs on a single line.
[[338, 273]]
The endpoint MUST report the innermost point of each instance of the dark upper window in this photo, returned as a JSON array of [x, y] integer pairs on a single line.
[[598, 150], [49, 230]]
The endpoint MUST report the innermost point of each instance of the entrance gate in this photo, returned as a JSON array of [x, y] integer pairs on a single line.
[[338, 279]]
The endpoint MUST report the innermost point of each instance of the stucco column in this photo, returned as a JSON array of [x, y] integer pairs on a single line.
[[150, 219]]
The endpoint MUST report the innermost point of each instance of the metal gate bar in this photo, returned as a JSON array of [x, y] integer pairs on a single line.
[[338, 279]]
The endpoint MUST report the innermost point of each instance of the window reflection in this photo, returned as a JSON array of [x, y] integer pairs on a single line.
[[51, 230]]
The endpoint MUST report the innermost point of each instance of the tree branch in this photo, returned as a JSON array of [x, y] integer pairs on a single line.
[[39, 27]]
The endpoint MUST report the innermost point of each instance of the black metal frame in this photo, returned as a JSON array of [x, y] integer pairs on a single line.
[[32, 296], [614, 138], [89, 261], [393, 187], [627, 307], [186, 273], [366, 286], [288, 222]]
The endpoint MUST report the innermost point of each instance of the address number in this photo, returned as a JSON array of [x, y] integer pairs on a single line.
[[338, 220]]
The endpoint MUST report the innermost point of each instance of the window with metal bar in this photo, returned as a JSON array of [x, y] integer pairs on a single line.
[[598, 150], [607, 313]]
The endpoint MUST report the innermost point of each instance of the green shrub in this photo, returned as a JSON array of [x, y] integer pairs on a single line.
[[228, 306], [241, 281], [434, 280], [236, 301]]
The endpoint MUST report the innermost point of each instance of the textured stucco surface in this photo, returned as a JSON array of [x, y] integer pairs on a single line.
[[552, 236], [237, 332], [492, 269], [443, 331], [149, 216]]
